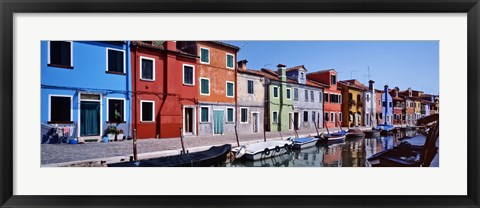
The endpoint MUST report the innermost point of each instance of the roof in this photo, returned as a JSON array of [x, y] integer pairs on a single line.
[[274, 76], [251, 72], [226, 45], [296, 68], [321, 71], [398, 98], [160, 48], [353, 83]]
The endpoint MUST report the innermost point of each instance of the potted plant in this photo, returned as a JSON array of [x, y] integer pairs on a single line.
[[120, 135], [111, 133]]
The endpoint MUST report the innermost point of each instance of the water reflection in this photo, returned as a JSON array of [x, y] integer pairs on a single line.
[[351, 153]]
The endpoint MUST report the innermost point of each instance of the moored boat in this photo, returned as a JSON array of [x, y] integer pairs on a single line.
[[306, 142], [355, 133], [214, 156], [264, 150], [332, 138], [373, 133]]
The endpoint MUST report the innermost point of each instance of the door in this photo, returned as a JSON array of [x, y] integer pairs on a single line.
[[218, 121], [295, 120], [188, 121], [255, 122], [89, 118]]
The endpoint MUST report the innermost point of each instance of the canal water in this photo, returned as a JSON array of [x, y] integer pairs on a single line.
[[351, 153]]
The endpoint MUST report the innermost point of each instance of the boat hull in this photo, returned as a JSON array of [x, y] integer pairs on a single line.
[[211, 157], [305, 144], [267, 149]]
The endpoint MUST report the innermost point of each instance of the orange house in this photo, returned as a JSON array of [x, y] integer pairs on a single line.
[[217, 85], [332, 96]]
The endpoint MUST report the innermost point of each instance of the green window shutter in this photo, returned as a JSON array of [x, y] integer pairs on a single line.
[[230, 61], [204, 112], [229, 89], [204, 55], [230, 115], [205, 89]]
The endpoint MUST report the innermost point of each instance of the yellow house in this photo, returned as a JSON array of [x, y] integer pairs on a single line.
[[353, 101]]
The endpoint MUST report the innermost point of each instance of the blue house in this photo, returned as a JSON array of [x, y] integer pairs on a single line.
[[387, 107], [85, 87]]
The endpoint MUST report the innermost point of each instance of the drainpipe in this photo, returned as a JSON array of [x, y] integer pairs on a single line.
[[128, 71], [135, 100], [236, 103]]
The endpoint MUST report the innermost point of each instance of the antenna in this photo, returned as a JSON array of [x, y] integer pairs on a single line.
[[369, 73], [265, 65]]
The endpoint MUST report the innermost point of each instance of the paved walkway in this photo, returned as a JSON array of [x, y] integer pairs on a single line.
[[65, 154]]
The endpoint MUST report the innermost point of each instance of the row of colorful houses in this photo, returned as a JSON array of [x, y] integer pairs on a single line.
[[164, 89]]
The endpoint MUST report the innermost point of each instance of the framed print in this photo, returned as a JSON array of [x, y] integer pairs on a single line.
[[245, 104]]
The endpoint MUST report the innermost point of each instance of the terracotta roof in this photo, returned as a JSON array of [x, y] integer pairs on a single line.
[[296, 68], [398, 98], [353, 83], [226, 44], [251, 72], [160, 48], [321, 71]]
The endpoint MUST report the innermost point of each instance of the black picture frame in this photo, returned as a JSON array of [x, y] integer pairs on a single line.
[[10, 7]]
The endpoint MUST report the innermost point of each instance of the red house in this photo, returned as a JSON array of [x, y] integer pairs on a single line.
[[332, 96], [398, 105], [165, 90]]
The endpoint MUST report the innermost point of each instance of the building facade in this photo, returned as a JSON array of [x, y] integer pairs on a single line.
[[279, 101], [216, 67], [164, 90], [370, 105], [250, 114], [398, 106], [353, 103], [409, 110], [85, 87], [332, 96], [307, 99], [387, 106]]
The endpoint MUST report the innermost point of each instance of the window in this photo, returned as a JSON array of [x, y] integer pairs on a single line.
[[243, 115], [60, 53], [332, 117], [319, 97], [295, 93], [305, 116], [312, 98], [379, 102], [60, 109], [115, 61], [390, 104], [188, 75], [204, 117], [204, 86], [275, 92], [325, 97], [147, 110], [306, 95], [335, 98], [301, 75], [289, 96], [313, 116], [275, 117], [147, 69], [230, 61], [326, 116], [249, 86], [116, 110], [334, 79], [229, 115], [230, 89], [340, 117], [204, 55]]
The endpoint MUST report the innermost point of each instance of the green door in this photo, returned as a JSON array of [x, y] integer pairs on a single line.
[[218, 121], [89, 118]]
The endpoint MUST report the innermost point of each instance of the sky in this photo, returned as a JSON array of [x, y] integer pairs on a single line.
[[400, 64]]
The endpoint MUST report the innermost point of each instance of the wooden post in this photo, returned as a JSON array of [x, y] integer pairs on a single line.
[[135, 154], [181, 141], [236, 135]]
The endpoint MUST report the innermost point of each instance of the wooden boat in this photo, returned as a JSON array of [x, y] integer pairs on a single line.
[[214, 156], [333, 138], [407, 155], [355, 133], [306, 142], [264, 150]]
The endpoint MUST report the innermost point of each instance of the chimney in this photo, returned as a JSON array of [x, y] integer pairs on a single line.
[[370, 85], [170, 45], [242, 64], [385, 88], [281, 71]]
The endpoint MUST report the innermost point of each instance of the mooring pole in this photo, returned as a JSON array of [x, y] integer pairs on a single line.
[[181, 141], [236, 135], [135, 154]]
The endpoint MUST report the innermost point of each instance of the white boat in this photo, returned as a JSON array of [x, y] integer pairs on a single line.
[[306, 142], [263, 150]]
